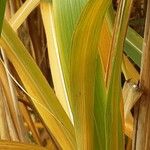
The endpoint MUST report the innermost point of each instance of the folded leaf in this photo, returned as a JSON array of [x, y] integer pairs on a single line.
[[84, 54]]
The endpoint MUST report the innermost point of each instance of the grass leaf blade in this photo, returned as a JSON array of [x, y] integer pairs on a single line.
[[2, 11], [36, 85], [83, 67], [114, 120]]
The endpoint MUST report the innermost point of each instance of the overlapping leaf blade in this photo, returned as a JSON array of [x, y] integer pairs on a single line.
[[54, 57], [90, 79], [65, 16], [22, 13], [133, 42], [40, 92], [83, 71], [114, 123]]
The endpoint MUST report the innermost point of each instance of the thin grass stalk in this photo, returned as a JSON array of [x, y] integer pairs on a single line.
[[11, 127], [4, 131], [9, 116], [14, 107], [133, 41], [142, 110], [114, 123]]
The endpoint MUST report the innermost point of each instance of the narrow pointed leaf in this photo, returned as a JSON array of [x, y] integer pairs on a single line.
[[99, 108], [36, 85], [133, 41], [53, 53], [65, 23], [83, 70], [114, 123]]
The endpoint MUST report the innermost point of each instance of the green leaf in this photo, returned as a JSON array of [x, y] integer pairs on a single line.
[[2, 11], [83, 70], [53, 53], [133, 46], [65, 17], [99, 108]]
